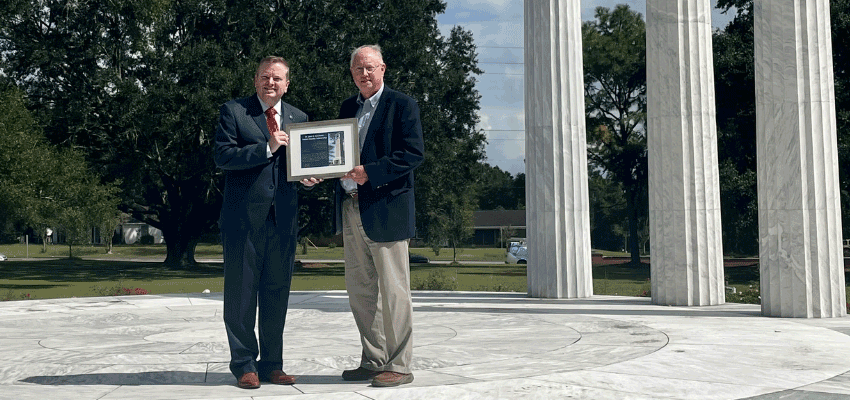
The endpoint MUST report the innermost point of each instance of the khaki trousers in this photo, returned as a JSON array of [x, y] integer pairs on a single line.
[[377, 278]]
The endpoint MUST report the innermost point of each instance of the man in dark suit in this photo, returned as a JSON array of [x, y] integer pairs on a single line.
[[258, 224], [375, 212]]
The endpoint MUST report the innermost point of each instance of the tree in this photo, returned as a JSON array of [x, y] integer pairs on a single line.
[[498, 190], [19, 160], [95, 78], [447, 180], [607, 213], [47, 186], [615, 89], [734, 87], [137, 85]]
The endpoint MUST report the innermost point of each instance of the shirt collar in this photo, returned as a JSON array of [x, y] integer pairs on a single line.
[[374, 99], [266, 106]]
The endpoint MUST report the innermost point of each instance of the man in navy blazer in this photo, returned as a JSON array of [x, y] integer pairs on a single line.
[[375, 211], [259, 224]]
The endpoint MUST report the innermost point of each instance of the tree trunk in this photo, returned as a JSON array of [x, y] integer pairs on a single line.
[[454, 255], [180, 251], [634, 241]]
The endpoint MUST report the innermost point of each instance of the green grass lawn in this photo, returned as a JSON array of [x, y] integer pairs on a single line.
[[98, 274], [207, 251], [62, 278]]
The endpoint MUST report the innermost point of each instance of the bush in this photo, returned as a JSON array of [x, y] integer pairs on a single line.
[[501, 287], [146, 239], [436, 280], [10, 295], [116, 290], [750, 295]]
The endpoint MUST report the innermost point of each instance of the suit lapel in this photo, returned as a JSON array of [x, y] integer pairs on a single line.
[[255, 110], [285, 115], [377, 119]]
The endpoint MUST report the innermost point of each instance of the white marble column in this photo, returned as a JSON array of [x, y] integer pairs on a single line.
[[684, 190], [802, 267], [557, 212]]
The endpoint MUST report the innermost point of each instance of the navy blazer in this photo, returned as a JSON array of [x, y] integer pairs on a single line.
[[253, 182], [394, 147]]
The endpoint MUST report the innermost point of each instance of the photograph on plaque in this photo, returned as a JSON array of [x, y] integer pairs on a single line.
[[322, 149]]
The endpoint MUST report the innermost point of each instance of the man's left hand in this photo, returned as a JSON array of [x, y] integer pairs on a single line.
[[311, 181], [357, 174]]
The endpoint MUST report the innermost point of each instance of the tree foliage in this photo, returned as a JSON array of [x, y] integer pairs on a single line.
[[136, 85], [734, 88], [499, 190], [615, 89], [47, 187]]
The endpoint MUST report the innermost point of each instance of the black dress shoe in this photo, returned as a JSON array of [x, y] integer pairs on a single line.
[[359, 374]]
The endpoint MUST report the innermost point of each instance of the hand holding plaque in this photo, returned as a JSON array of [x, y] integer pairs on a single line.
[[323, 149]]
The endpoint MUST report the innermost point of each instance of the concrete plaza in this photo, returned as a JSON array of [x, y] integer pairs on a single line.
[[468, 345]]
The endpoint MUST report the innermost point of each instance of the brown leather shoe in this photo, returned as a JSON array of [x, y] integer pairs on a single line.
[[279, 377], [389, 379], [249, 380], [359, 374]]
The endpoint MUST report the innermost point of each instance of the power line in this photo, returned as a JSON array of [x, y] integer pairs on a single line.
[[491, 20], [501, 73]]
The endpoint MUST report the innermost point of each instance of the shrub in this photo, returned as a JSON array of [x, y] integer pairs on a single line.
[[10, 295], [750, 295], [436, 280], [146, 239], [500, 287]]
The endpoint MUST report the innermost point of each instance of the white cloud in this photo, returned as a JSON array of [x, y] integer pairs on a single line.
[[505, 130]]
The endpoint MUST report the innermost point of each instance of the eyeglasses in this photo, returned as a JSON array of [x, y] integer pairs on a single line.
[[369, 70]]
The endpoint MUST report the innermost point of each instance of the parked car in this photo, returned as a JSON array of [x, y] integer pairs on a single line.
[[418, 259], [3, 257], [518, 256], [514, 245]]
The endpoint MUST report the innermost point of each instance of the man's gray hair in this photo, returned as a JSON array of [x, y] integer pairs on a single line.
[[374, 47]]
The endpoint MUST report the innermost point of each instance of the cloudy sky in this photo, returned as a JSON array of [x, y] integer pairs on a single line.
[[497, 27]]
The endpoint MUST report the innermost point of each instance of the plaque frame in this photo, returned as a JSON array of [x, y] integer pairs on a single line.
[[350, 148]]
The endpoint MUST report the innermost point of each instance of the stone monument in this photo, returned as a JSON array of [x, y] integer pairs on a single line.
[[684, 187], [800, 254], [557, 212]]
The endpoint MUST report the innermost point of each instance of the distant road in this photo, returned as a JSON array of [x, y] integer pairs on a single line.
[[219, 260]]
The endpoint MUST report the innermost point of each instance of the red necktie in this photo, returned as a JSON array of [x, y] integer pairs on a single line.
[[271, 122]]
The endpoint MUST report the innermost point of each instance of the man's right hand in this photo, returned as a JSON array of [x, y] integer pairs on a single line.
[[278, 139]]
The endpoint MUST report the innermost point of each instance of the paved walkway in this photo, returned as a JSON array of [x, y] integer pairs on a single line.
[[468, 346]]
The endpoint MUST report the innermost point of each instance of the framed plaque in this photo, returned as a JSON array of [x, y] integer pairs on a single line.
[[322, 149]]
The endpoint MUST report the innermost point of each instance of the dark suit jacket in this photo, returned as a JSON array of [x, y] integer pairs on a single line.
[[393, 149], [252, 180]]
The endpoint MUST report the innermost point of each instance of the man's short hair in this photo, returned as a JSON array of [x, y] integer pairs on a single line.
[[272, 60], [374, 47]]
